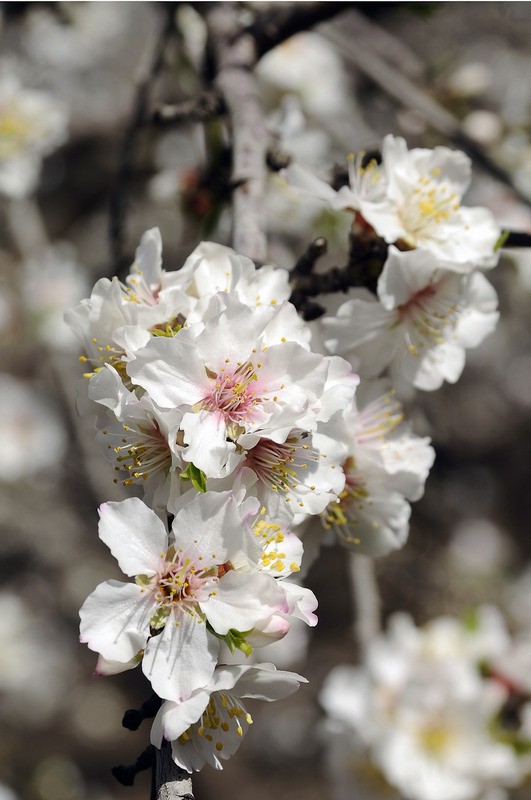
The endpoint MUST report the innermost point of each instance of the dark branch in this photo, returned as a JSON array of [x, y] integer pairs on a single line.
[[170, 781], [367, 256], [134, 717], [517, 239], [138, 118], [126, 773], [200, 109], [306, 262]]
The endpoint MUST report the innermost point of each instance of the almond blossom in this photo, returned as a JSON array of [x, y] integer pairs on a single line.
[[188, 594], [32, 125], [208, 727], [121, 317], [422, 320], [413, 199], [241, 377], [425, 710], [425, 189], [385, 466]]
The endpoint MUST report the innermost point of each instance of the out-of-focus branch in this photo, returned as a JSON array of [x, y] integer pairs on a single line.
[[144, 82], [366, 600], [198, 109], [235, 56], [410, 94], [275, 25]]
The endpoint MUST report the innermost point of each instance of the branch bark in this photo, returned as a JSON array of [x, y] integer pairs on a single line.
[[170, 781], [235, 56]]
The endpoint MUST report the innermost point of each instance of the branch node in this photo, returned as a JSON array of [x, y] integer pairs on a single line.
[[126, 773]]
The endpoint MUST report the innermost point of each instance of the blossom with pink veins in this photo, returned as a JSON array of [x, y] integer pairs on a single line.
[[208, 727], [239, 378], [187, 595], [421, 322]]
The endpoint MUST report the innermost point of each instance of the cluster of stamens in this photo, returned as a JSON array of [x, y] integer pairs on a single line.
[[107, 355], [233, 393], [142, 452], [280, 465], [428, 318], [363, 177], [222, 714], [270, 535], [378, 420], [430, 204], [138, 290], [343, 514]]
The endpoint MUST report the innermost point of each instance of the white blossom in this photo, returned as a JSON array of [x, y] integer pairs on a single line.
[[208, 727], [425, 710], [188, 593], [32, 125], [385, 466], [241, 377], [422, 320]]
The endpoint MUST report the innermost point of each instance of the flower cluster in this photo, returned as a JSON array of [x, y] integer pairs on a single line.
[[210, 400], [444, 709], [237, 423], [432, 300]]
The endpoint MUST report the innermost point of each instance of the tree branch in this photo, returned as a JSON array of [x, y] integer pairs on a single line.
[[366, 599], [197, 109], [144, 83], [170, 781], [235, 56]]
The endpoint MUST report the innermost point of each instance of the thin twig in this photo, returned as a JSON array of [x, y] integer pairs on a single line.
[[144, 84], [517, 239], [366, 598], [198, 109], [135, 716], [408, 94], [235, 56]]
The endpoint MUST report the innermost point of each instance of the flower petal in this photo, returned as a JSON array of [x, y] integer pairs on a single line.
[[115, 620], [135, 535]]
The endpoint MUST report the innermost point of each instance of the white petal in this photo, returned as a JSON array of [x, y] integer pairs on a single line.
[[115, 620], [265, 682], [182, 658], [242, 601], [134, 534], [173, 719]]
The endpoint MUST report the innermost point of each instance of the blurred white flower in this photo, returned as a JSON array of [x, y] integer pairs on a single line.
[[308, 66], [31, 433], [33, 124], [52, 281], [431, 719]]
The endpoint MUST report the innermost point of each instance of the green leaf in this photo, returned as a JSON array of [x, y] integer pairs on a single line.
[[235, 640], [197, 476], [501, 241]]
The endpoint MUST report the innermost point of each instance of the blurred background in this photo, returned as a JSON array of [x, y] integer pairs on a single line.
[[435, 73]]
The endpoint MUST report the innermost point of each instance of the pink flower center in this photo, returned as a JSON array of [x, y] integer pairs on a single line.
[[183, 582], [235, 395]]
